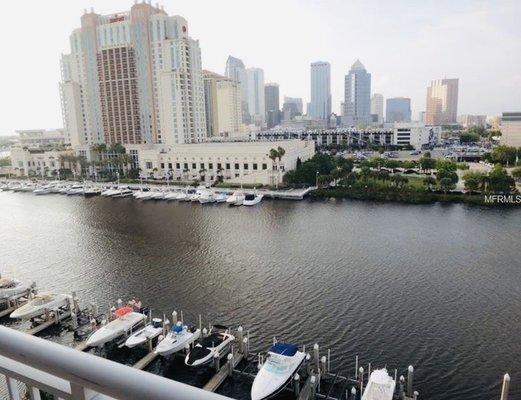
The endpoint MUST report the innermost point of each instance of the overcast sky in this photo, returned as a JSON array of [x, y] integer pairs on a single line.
[[403, 44]]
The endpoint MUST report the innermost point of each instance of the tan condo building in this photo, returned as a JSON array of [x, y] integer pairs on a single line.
[[133, 77], [442, 102], [511, 129], [222, 105]]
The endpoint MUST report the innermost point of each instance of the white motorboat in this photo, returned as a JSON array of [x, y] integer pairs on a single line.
[[109, 191], [74, 190], [92, 191], [206, 196], [149, 332], [123, 192], [126, 321], [182, 196], [282, 362], [171, 196], [56, 188], [24, 187], [252, 199], [380, 386], [236, 198], [11, 287], [43, 190], [221, 197], [40, 303], [144, 195], [157, 195], [217, 342], [177, 339]]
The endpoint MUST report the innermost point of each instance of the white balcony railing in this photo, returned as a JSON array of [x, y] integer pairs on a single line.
[[70, 374]]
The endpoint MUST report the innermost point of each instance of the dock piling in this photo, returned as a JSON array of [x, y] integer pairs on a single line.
[[410, 376], [239, 339], [505, 387], [401, 393], [308, 364], [296, 385], [246, 347], [353, 393], [368, 370], [313, 381], [230, 364], [217, 362], [182, 319], [356, 367], [200, 323], [361, 371], [323, 366], [316, 356], [415, 395], [74, 320], [174, 317]]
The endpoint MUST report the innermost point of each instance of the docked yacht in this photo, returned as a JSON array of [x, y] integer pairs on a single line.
[[40, 304], [236, 198], [177, 339], [11, 287], [221, 197], [110, 191], [157, 195], [217, 342], [126, 321], [149, 332], [74, 190], [171, 196], [282, 362], [252, 199], [92, 191], [46, 189], [380, 386], [206, 196], [122, 192]]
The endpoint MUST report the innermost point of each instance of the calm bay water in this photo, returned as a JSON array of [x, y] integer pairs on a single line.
[[435, 286]]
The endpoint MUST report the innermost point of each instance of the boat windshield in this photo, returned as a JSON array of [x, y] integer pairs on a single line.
[[277, 364], [42, 299]]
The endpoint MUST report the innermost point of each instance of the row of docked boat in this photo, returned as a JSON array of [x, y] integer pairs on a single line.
[[132, 326], [201, 194]]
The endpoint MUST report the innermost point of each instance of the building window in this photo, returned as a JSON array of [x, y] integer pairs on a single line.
[[148, 165], [169, 165], [186, 165], [255, 166], [210, 165], [245, 166], [162, 165], [264, 166], [177, 165], [227, 165], [194, 166], [236, 166], [202, 165]]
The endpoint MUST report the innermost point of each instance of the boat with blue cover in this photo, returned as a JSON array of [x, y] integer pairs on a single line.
[[177, 339], [282, 362]]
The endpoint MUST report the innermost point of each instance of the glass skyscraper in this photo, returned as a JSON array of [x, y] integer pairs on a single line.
[[357, 95], [320, 107]]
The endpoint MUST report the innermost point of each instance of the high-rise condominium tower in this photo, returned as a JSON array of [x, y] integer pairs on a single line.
[[256, 95], [320, 105], [377, 106], [272, 103], [236, 71], [357, 95], [133, 77], [442, 102], [398, 109], [223, 105]]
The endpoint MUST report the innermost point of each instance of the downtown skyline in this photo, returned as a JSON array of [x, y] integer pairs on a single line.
[[398, 73]]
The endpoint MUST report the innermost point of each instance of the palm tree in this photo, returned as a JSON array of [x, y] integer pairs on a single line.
[[202, 173]]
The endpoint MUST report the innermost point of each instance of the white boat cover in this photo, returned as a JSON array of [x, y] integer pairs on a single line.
[[380, 386]]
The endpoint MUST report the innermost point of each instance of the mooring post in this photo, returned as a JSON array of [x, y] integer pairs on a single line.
[[204, 332], [74, 320], [313, 381], [230, 364], [119, 302], [356, 367], [246, 347], [361, 372], [47, 314], [316, 356], [368, 370], [296, 385], [75, 303], [150, 347], [174, 317], [353, 393], [308, 364], [395, 376], [182, 319], [200, 323], [95, 309], [239, 339], [415, 395], [504, 389], [217, 362], [401, 392], [410, 376], [328, 360], [187, 349], [323, 366]]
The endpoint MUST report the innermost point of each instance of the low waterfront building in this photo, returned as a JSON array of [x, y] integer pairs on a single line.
[[236, 162], [36, 162], [416, 135], [468, 121], [511, 129], [41, 137]]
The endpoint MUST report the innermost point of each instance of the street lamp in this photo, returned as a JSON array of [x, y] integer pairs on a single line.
[[316, 179]]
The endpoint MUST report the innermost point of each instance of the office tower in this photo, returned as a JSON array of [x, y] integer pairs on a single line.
[[272, 104], [357, 95], [511, 129], [377, 107], [398, 109], [320, 105], [236, 70], [133, 77], [442, 102], [222, 105], [292, 107], [256, 107]]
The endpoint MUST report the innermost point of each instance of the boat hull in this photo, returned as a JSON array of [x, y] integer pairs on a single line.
[[173, 343]]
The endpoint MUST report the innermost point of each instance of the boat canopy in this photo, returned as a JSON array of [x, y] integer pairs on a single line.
[[285, 349], [177, 328], [123, 311]]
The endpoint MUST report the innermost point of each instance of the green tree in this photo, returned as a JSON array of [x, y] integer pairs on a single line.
[[5, 162], [516, 172], [446, 184], [473, 180], [426, 162], [429, 182], [446, 165], [469, 137], [504, 155], [499, 181]]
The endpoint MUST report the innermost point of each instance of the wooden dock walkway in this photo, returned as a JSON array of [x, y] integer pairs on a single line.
[[213, 384], [142, 364]]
